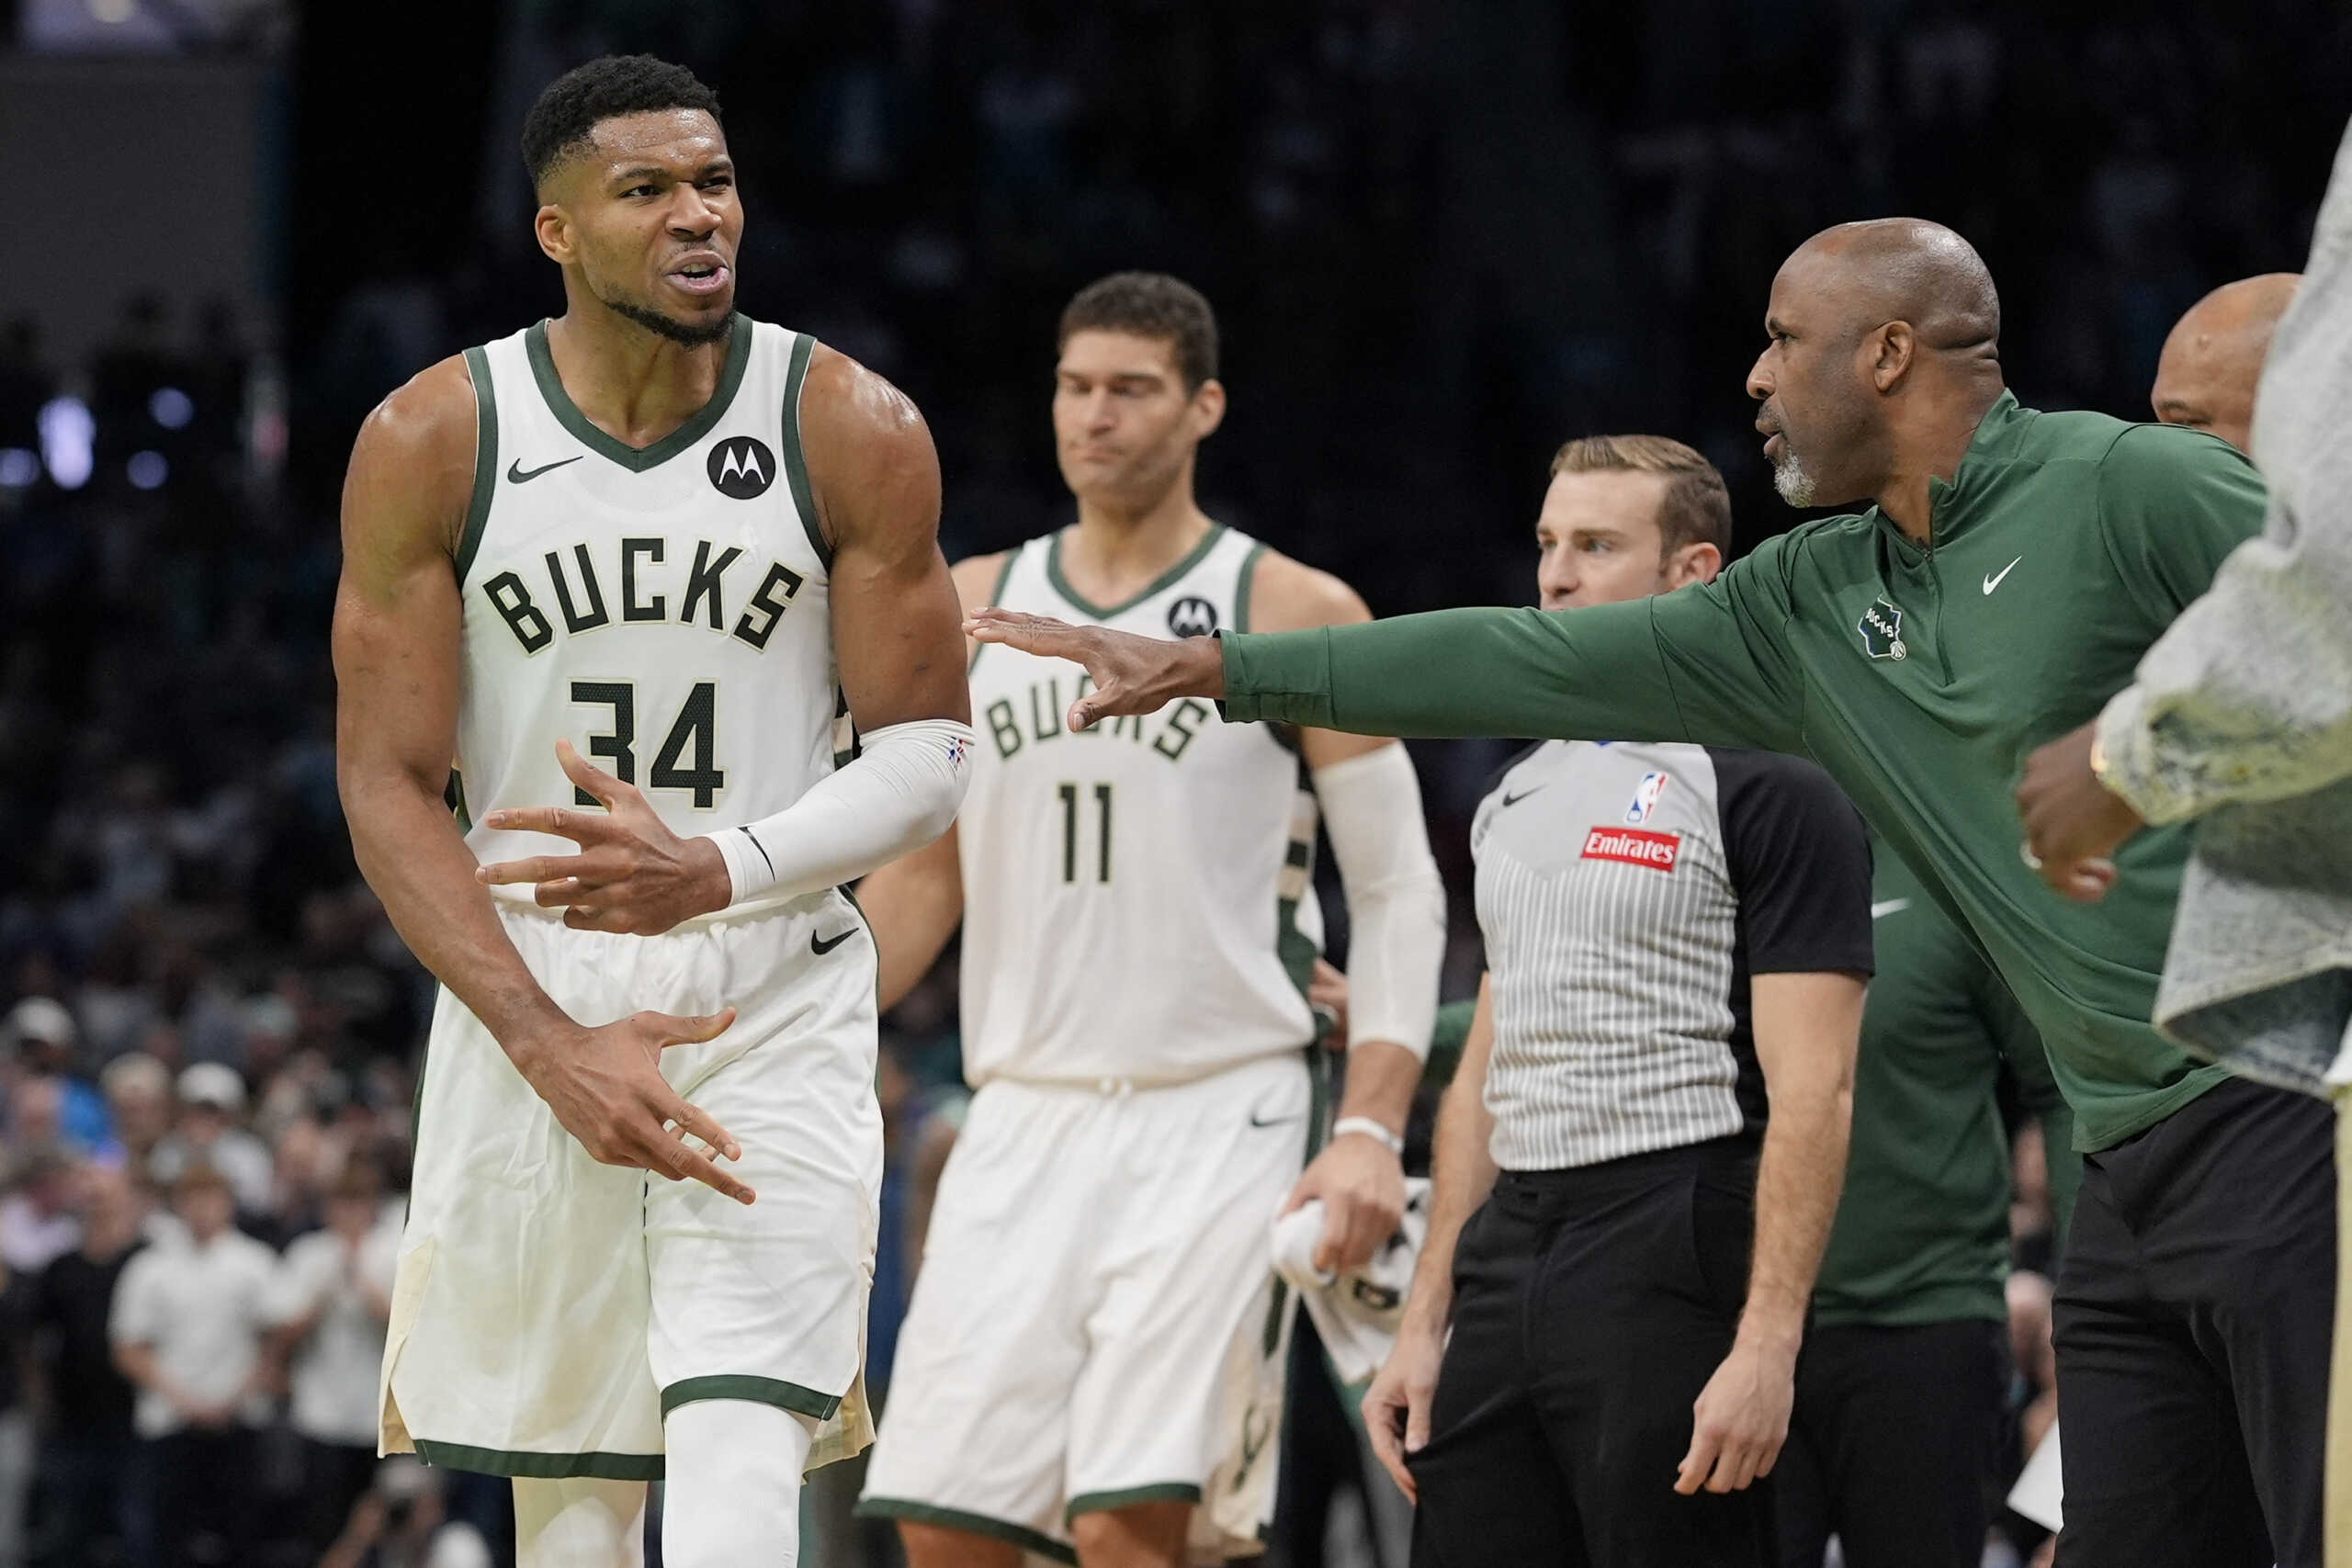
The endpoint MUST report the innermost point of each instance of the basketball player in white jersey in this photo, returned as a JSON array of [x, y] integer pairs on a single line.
[[655, 533], [1091, 1367]]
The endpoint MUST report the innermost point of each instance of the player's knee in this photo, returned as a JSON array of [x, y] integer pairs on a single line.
[[937, 1546], [1143, 1535]]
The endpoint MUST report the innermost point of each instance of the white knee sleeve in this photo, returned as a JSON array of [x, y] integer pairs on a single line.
[[579, 1522], [733, 1495]]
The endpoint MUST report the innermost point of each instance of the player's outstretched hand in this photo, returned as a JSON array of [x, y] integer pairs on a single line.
[[1396, 1405], [606, 1086], [632, 874], [1739, 1420], [2073, 824], [1131, 674]]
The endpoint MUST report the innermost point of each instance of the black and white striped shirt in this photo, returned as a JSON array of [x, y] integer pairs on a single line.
[[1627, 892]]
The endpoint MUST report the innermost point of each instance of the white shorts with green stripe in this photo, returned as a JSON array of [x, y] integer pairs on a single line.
[[549, 1311], [1098, 1322]]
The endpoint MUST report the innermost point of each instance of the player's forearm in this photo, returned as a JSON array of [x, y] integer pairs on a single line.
[[1382, 1078], [410, 850], [1580, 674], [914, 905]]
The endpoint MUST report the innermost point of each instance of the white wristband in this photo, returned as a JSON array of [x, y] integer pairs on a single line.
[[1369, 1129]]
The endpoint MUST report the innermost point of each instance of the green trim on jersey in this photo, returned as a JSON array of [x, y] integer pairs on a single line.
[[1004, 576], [1020, 1536], [796, 1397], [539, 1466], [636, 459], [456, 799], [1242, 586], [1128, 1496], [485, 460], [1166, 580], [795, 458]]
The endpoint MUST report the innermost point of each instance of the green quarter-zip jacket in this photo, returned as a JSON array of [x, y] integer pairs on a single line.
[[1918, 676]]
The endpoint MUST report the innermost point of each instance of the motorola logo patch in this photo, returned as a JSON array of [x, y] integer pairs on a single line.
[[1191, 617], [742, 466]]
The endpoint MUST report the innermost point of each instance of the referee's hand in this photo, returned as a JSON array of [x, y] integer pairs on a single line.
[[1396, 1405], [1740, 1419], [1131, 674]]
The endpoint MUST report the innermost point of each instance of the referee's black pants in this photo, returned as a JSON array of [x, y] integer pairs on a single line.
[[1893, 1444], [1591, 1306], [2193, 1317]]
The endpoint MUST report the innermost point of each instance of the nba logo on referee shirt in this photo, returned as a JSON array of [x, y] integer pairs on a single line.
[[1645, 797]]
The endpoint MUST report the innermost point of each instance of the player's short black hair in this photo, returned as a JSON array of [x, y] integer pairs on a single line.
[[561, 122], [1148, 304]]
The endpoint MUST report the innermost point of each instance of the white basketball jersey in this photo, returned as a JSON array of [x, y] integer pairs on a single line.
[[1137, 899], [664, 608]]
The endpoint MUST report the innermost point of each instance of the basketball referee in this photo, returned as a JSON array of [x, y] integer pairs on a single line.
[[2012, 568], [1676, 936]]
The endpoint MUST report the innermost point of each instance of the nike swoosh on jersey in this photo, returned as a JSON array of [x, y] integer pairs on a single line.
[[1993, 580], [1892, 906], [1511, 800], [1277, 1121], [823, 946], [517, 474]]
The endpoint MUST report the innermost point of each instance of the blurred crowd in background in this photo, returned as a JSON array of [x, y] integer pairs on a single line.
[[1441, 239]]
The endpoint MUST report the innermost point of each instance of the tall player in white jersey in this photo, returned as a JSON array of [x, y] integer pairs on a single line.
[[659, 535], [1091, 1365]]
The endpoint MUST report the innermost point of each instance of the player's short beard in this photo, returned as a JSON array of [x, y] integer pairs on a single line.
[[686, 334], [1790, 476]]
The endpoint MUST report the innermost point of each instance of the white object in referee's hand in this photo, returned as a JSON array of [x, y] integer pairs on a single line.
[[1358, 1311]]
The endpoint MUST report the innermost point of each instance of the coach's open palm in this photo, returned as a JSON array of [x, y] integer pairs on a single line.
[[1131, 674], [606, 1086], [632, 874]]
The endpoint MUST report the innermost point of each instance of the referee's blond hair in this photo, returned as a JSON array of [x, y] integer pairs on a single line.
[[1696, 507]]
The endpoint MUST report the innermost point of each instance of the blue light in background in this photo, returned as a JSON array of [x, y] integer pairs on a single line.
[[171, 408], [67, 433], [147, 471]]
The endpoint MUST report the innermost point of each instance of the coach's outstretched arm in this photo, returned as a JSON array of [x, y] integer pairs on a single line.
[[1706, 664], [397, 621], [874, 478]]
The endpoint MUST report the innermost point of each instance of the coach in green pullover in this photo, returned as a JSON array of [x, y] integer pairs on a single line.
[[2012, 569]]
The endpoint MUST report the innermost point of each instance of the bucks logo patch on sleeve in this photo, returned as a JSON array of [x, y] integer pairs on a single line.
[[1881, 629]]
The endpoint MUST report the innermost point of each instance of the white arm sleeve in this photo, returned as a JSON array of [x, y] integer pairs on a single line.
[[1372, 808], [897, 795]]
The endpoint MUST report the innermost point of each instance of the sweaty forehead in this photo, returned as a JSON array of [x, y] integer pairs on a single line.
[[681, 138]]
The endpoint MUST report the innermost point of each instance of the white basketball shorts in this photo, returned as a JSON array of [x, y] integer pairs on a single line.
[[1098, 1322], [549, 1311]]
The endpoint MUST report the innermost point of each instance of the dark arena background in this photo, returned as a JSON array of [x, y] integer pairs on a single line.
[[1441, 237]]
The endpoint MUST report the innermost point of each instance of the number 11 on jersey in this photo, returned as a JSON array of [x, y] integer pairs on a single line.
[[1069, 832]]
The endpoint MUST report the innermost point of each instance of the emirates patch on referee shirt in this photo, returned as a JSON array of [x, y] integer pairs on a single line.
[[1635, 846]]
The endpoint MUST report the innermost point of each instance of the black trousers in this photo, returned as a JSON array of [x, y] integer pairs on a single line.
[[1591, 1306], [2193, 1317], [1892, 1445], [205, 1484]]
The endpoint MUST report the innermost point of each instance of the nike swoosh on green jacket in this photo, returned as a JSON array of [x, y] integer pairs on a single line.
[[1887, 663]]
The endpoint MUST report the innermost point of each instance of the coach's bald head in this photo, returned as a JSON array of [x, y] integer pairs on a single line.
[[2212, 361], [1884, 354]]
